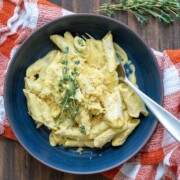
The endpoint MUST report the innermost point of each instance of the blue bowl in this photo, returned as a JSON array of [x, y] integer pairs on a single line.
[[36, 141]]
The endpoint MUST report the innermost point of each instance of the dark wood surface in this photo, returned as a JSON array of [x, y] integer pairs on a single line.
[[15, 162]]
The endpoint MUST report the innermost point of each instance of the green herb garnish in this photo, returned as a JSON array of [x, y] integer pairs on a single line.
[[78, 51], [60, 120], [82, 129], [75, 72], [77, 62], [64, 62], [81, 42], [160, 9], [68, 87], [66, 50]]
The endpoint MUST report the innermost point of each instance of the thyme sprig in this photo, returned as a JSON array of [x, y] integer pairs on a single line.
[[160, 9], [67, 88]]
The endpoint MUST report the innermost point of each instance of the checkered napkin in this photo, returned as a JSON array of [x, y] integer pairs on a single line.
[[160, 158]]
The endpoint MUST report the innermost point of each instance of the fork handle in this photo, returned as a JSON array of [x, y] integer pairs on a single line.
[[170, 122]]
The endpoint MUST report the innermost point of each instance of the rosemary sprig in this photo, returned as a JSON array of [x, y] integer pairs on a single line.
[[67, 88], [160, 9]]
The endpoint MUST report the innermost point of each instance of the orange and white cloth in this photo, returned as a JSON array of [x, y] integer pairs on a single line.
[[160, 157]]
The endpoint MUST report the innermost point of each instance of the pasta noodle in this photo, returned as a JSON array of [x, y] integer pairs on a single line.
[[75, 92]]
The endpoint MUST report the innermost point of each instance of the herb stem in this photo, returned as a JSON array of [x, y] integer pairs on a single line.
[[68, 87], [161, 9]]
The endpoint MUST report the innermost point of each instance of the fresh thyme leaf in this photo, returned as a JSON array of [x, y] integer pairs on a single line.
[[74, 72], [66, 78], [78, 51], [65, 70], [60, 91], [82, 129], [60, 83], [111, 13], [64, 62], [160, 9], [74, 93], [66, 50], [74, 86], [77, 62]]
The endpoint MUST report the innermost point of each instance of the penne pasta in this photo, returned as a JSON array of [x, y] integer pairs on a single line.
[[98, 129], [63, 45], [134, 104], [104, 138], [114, 109], [55, 139], [39, 110], [109, 52], [121, 137], [69, 38], [72, 133], [79, 43], [75, 92]]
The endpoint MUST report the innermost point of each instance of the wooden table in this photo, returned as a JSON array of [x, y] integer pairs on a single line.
[[15, 162]]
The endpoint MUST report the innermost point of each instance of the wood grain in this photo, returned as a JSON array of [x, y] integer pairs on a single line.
[[15, 162]]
